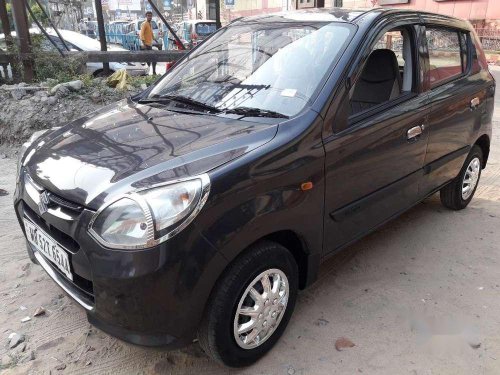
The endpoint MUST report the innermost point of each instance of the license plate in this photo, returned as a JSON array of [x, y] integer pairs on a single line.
[[48, 247]]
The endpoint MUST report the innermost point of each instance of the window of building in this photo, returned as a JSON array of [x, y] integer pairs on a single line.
[[447, 57], [338, 3]]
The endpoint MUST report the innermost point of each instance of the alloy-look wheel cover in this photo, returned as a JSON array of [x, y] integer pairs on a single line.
[[261, 308], [471, 178]]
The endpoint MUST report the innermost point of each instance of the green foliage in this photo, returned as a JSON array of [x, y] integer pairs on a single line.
[[38, 13]]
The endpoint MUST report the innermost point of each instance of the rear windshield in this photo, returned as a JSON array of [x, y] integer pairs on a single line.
[[205, 28], [276, 64]]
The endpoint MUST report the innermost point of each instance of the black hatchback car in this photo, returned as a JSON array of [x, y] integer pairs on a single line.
[[201, 207]]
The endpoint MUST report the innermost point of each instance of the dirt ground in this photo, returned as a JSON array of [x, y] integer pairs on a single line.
[[419, 296]]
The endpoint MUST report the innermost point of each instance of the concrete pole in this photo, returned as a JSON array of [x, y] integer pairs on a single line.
[[102, 33], [22, 30]]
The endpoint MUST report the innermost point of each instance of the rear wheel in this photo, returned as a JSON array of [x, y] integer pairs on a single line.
[[459, 192], [250, 306]]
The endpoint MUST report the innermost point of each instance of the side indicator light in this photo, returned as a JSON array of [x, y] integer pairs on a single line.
[[306, 186]]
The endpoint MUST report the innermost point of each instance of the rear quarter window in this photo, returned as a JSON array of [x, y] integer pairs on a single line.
[[446, 55], [478, 58]]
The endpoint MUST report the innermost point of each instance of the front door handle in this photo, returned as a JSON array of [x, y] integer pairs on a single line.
[[414, 133], [474, 103]]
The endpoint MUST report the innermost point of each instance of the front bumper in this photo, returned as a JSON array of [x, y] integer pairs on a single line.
[[152, 297]]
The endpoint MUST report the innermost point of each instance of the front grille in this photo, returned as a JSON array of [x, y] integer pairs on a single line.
[[61, 202], [82, 284]]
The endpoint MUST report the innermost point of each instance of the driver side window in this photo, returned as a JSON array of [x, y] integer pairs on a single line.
[[387, 74]]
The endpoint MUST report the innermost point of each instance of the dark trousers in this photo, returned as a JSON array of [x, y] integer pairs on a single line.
[[149, 48]]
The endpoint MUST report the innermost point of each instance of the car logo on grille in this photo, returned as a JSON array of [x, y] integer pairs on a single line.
[[43, 205]]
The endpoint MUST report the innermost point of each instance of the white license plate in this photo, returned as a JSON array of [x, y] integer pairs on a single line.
[[48, 247]]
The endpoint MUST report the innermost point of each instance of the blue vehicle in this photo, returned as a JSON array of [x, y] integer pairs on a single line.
[[115, 31]]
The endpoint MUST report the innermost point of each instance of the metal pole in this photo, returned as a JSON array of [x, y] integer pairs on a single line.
[[22, 29], [218, 24], [51, 24], [164, 20], [102, 33], [42, 29]]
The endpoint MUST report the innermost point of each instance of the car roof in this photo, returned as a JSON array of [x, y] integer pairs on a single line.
[[358, 15]]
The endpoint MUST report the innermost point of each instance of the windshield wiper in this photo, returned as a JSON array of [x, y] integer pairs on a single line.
[[188, 101], [254, 112]]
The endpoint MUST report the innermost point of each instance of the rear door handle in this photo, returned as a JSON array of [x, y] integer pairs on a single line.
[[474, 103], [414, 133]]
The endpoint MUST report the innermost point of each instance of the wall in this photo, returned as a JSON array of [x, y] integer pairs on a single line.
[[466, 9]]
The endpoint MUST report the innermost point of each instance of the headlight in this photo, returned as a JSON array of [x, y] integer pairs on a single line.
[[148, 217]]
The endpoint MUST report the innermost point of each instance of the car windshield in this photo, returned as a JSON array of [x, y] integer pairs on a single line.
[[272, 65]]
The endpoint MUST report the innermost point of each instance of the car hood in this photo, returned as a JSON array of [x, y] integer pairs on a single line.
[[128, 146]]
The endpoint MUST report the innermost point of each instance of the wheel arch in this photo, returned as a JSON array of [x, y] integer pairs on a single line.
[[297, 246], [484, 143], [307, 263]]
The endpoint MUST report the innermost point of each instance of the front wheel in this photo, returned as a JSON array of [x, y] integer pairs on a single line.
[[250, 306], [459, 192]]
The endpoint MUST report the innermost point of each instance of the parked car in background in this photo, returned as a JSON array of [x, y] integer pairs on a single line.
[[200, 208], [79, 42], [194, 32], [89, 32]]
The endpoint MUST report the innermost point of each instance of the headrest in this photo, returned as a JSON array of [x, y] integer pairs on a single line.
[[382, 65]]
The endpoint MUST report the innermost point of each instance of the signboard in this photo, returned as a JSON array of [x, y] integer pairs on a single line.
[[392, 2], [147, 6], [229, 4], [167, 4], [122, 4]]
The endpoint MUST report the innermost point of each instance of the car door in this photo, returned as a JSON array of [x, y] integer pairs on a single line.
[[457, 104], [374, 158]]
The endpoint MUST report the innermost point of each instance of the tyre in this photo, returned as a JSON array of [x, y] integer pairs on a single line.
[[459, 192], [250, 305]]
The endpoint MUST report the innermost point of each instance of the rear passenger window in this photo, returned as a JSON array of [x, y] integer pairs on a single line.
[[447, 56]]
